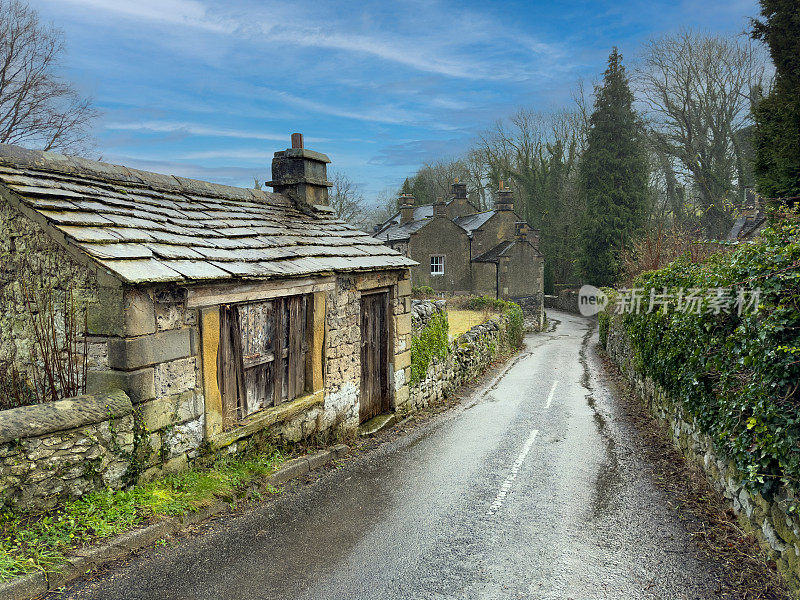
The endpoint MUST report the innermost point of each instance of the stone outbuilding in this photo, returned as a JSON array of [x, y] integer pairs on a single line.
[[219, 311], [462, 250]]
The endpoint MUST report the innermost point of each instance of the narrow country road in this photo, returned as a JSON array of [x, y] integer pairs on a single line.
[[532, 488]]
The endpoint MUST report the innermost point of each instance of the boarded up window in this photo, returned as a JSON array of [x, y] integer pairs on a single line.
[[263, 355]]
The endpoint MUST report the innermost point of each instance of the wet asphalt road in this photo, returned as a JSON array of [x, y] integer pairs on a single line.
[[531, 488]]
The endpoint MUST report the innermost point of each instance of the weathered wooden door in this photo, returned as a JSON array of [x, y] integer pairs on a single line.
[[374, 355]]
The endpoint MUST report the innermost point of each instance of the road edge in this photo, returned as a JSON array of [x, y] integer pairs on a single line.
[[124, 544]]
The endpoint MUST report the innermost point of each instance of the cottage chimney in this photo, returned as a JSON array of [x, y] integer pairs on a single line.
[[505, 199], [521, 230], [440, 208], [301, 174], [406, 202], [459, 190]]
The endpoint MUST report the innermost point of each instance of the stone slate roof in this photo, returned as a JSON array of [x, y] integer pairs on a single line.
[[148, 227], [392, 230], [495, 253], [396, 232], [470, 223], [745, 227]]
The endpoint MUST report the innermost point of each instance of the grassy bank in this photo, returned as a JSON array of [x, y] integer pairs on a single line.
[[40, 542]]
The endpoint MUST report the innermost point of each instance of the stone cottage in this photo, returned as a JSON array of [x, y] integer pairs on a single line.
[[462, 250], [218, 310]]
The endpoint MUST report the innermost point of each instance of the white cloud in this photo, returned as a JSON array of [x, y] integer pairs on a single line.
[[408, 42], [196, 129], [230, 154], [177, 12]]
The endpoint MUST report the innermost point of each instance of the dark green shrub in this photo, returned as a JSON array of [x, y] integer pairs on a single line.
[[423, 291]]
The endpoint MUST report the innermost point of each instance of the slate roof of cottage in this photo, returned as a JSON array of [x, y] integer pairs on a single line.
[[470, 223], [746, 226], [392, 230], [495, 253], [149, 227], [396, 232]]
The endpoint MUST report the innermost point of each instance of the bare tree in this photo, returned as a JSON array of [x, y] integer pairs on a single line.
[[536, 155], [346, 199], [37, 107], [697, 90]]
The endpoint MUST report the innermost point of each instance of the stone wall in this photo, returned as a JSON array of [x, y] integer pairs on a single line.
[[566, 300], [469, 355], [63, 449], [770, 519], [151, 351], [533, 309], [153, 359], [422, 312], [30, 257]]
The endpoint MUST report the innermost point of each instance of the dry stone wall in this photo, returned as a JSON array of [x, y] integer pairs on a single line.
[[467, 357], [566, 300], [422, 312], [772, 520], [64, 449]]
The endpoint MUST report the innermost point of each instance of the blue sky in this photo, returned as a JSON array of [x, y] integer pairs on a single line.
[[210, 89]]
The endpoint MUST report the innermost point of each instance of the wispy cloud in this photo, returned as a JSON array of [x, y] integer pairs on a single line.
[[242, 154], [200, 130], [379, 114], [189, 13], [448, 55]]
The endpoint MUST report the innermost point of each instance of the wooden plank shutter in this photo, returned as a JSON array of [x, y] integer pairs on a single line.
[[279, 340], [257, 333], [230, 366], [297, 345]]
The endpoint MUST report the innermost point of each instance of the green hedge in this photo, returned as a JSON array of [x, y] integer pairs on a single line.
[[515, 323], [738, 376]]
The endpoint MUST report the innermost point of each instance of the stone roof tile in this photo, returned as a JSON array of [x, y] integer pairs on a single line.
[[149, 227]]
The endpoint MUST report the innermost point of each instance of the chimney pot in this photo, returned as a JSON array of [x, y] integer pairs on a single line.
[[297, 140]]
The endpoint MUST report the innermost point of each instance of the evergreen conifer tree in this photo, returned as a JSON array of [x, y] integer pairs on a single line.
[[614, 177], [777, 162]]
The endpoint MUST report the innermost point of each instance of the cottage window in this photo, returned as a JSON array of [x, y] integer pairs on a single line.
[[437, 265], [262, 356]]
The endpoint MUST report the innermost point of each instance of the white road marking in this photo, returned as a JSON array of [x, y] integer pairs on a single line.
[[501, 495], [550, 395]]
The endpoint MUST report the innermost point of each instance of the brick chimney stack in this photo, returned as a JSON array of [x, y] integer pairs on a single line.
[[406, 202], [301, 174], [521, 230], [440, 208], [505, 199]]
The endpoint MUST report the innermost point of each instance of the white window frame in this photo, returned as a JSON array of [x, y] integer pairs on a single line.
[[439, 263]]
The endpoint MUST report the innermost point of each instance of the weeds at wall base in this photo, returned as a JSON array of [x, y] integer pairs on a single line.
[[34, 542]]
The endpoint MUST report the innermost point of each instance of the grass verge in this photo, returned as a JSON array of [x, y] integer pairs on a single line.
[[41, 542], [462, 321]]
